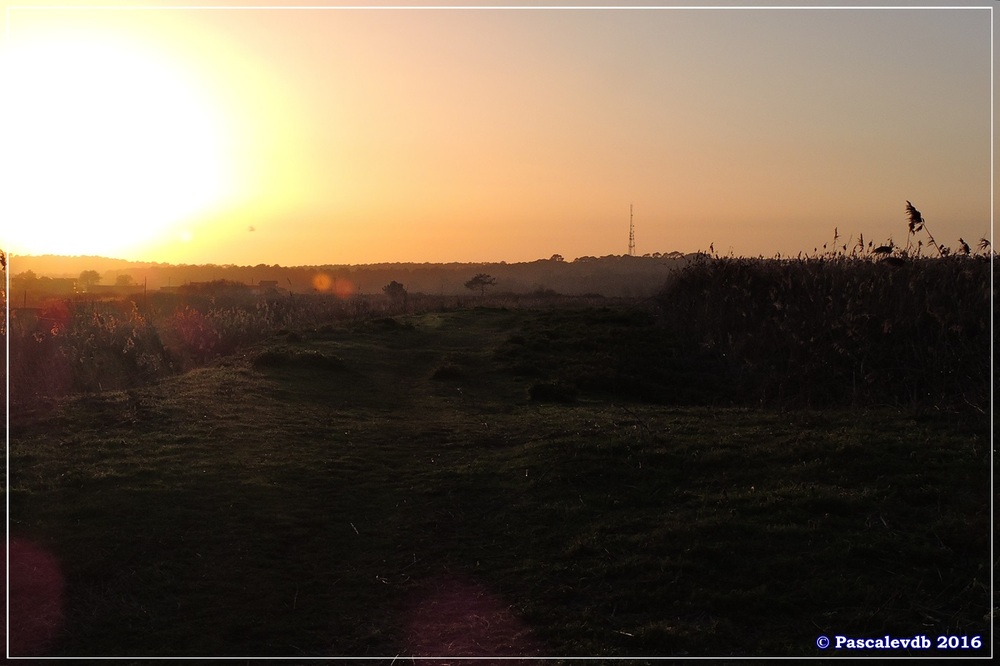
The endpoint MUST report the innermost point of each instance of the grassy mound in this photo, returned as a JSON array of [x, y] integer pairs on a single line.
[[303, 359]]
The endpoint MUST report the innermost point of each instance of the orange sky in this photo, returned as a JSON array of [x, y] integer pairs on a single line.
[[309, 136]]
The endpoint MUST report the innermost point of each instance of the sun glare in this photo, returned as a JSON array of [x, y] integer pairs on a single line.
[[106, 145]]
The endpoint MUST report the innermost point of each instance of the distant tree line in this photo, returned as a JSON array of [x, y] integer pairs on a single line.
[[609, 276]]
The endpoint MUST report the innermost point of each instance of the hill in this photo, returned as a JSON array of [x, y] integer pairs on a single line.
[[612, 275]]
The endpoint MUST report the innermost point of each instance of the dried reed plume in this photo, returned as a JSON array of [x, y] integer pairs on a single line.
[[917, 223]]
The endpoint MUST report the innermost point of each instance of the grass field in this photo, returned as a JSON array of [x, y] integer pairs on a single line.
[[561, 482]]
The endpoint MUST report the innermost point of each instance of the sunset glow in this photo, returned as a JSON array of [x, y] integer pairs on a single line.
[[307, 136], [108, 145]]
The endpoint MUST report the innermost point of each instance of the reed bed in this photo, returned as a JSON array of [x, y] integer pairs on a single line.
[[863, 328]]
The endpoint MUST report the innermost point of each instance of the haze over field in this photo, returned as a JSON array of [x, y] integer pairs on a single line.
[[314, 136]]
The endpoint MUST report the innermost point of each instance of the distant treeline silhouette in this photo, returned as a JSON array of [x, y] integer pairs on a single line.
[[608, 276]]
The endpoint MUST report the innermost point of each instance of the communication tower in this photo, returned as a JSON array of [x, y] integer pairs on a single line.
[[631, 233]]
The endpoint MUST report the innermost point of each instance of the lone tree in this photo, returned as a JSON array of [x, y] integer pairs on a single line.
[[124, 280], [395, 291], [88, 279], [480, 282]]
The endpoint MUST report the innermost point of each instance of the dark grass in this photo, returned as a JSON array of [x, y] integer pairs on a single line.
[[392, 488]]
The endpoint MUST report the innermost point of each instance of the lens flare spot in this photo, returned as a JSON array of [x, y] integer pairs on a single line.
[[36, 598], [460, 616], [339, 287], [344, 288], [322, 282]]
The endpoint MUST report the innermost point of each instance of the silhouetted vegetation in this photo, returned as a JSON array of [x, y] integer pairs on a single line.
[[398, 295], [610, 276], [395, 291], [89, 279], [857, 326], [74, 345], [78, 344], [480, 281]]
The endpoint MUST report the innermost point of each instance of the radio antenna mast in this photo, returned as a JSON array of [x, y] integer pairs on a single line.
[[631, 233]]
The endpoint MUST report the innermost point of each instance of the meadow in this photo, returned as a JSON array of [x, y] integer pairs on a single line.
[[767, 452]]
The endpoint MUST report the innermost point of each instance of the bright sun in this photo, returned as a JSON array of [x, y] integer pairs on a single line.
[[106, 145]]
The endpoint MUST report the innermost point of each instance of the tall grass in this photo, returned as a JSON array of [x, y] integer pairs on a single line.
[[74, 345], [843, 329]]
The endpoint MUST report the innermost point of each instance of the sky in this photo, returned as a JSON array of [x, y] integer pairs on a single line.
[[307, 136]]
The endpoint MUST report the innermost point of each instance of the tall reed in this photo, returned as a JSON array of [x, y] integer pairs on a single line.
[[875, 326]]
